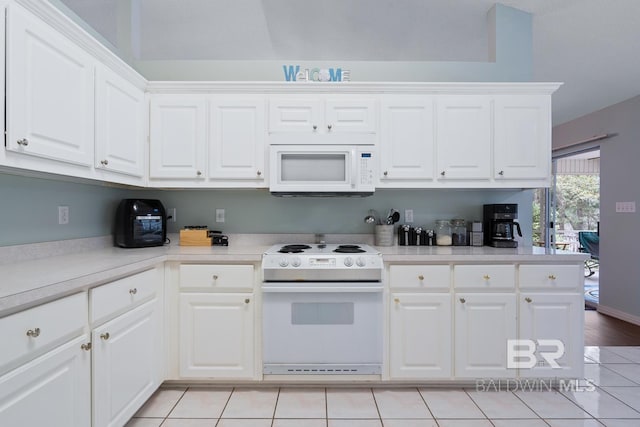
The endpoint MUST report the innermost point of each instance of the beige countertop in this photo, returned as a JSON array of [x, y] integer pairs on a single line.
[[27, 283]]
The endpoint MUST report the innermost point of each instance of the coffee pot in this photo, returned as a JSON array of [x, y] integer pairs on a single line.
[[500, 225]]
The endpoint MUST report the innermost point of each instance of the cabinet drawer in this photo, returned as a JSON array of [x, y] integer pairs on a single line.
[[32, 332], [484, 276], [420, 276], [109, 300], [212, 277], [549, 276]]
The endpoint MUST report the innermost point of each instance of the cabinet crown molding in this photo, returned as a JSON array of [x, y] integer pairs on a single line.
[[368, 88]]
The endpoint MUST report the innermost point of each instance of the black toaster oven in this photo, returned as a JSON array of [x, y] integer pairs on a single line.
[[140, 223]]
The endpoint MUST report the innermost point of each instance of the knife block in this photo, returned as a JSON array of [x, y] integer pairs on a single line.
[[195, 238]]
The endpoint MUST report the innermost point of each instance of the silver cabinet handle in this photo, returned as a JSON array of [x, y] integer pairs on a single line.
[[421, 277], [33, 333], [315, 127], [486, 277], [329, 127], [104, 162], [259, 173], [247, 301], [462, 300], [552, 277], [527, 299], [86, 347], [105, 336], [198, 173], [501, 173], [442, 173], [396, 300], [215, 277], [386, 173], [24, 142], [133, 291]]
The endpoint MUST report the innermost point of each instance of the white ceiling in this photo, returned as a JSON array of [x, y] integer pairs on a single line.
[[593, 46]]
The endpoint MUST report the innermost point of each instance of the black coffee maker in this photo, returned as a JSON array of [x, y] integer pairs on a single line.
[[499, 225]]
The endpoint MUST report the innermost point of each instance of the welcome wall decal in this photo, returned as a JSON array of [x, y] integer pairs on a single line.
[[294, 73]]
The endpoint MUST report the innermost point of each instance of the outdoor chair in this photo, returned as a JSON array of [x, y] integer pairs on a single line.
[[590, 243]]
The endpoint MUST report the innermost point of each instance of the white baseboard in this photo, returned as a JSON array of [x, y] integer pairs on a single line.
[[613, 312]]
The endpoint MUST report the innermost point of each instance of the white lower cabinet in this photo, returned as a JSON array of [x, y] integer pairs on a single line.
[[420, 336], [51, 390], [553, 322], [126, 364], [217, 335], [484, 322]]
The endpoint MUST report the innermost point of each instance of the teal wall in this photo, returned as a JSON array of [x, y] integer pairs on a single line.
[[510, 60], [29, 211]]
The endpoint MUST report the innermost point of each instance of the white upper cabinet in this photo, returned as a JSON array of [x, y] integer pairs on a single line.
[[464, 137], [237, 138], [177, 136], [522, 144], [120, 124], [331, 115], [407, 139], [49, 92]]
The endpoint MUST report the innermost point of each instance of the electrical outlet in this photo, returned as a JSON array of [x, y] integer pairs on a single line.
[[63, 215], [171, 215], [625, 207], [408, 215], [219, 215]]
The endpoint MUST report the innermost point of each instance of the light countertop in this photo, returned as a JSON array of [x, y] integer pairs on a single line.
[[28, 283]]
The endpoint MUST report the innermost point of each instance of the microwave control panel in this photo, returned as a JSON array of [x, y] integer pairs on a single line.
[[366, 167]]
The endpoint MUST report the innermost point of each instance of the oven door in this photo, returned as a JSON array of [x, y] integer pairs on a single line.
[[322, 328]]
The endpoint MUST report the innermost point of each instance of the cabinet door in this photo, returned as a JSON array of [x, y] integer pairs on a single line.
[[483, 324], [420, 336], [522, 145], [216, 335], [407, 139], [49, 92], [177, 136], [346, 115], [464, 137], [52, 390], [553, 317], [295, 115], [237, 133], [120, 124], [127, 363]]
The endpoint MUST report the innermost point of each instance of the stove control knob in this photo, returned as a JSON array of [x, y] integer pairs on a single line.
[[284, 262], [296, 262], [348, 261], [360, 262]]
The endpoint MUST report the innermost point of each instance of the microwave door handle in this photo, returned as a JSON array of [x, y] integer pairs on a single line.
[[354, 166]]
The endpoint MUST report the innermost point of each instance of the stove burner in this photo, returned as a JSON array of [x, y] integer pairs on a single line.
[[349, 249], [293, 249]]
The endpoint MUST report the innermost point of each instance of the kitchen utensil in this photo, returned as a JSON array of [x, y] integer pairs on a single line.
[[371, 217], [393, 217]]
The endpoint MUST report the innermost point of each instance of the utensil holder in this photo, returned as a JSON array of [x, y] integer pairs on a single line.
[[384, 235]]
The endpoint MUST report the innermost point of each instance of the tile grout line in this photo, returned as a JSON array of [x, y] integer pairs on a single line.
[[233, 389]]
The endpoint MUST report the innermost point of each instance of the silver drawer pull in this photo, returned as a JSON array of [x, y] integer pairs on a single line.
[[104, 162], [86, 347], [486, 277], [215, 277], [462, 300], [105, 336], [133, 291], [247, 301], [552, 277], [33, 333], [24, 142], [527, 299], [421, 277]]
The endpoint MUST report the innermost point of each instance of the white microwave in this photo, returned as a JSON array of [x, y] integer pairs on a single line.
[[322, 170]]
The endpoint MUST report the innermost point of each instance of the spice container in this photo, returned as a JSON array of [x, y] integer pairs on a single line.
[[459, 232], [443, 232]]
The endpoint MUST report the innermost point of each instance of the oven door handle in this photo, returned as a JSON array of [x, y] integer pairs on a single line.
[[298, 289]]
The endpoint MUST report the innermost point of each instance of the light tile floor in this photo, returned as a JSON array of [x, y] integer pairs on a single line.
[[609, 396]]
